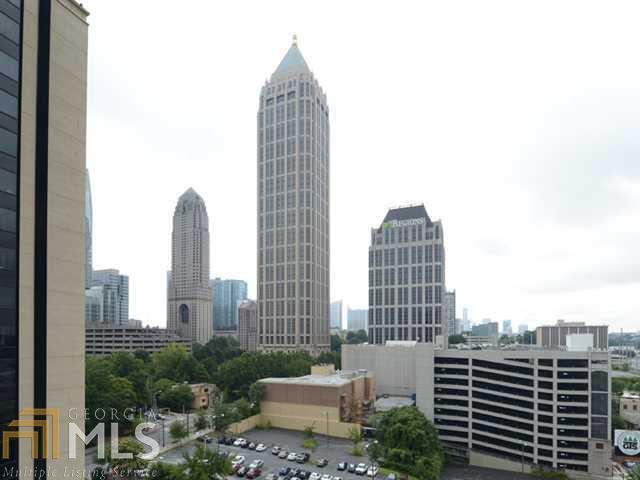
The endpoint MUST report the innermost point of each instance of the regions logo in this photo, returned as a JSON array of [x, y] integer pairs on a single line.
[[402, 223]]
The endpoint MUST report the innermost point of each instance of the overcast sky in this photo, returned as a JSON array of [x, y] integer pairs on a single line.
[[516, 124]]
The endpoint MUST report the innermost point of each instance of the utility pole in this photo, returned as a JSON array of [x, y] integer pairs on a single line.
[[163, 433], [327, 412]]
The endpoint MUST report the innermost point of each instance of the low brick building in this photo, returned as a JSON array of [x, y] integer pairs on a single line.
[[331, 401]]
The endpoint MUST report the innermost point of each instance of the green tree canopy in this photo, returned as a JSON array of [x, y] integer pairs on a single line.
[[360, 336], [206, 464], [456, 339], [409, 442], [178, 430], [178, 398]]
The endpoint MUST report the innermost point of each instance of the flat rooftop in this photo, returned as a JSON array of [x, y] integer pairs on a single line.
[[384, 404], [337, 379]]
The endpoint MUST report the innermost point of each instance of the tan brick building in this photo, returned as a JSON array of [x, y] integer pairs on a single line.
[[332, 402]]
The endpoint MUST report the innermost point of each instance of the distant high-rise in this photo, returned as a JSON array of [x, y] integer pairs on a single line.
[[115, 292], [336, 315], [466, 321], [293, 209], [88, 232], [189, 306], [523, 327], [450, 311], [407, 278], [357, 319], [506, 327], [248, 325], [227, 295], [489, 330]]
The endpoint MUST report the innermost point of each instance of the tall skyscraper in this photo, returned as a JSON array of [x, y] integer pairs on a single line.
[[88, 232], [450, 310], [407, 278], [43, 83], [248, 325], [189, 307], [115, 295], [336, 315], [523, 327], [227, 295], [357, 319], [293, 209]]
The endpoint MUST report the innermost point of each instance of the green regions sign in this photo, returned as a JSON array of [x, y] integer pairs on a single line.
[[403, 223], [628, 442]]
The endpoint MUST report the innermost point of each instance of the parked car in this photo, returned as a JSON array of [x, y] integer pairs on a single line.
[[351, 468], [292, 457], [284, 471], [229, 441], [314, 476], [251, 446], [304, 474], [323, 462], [337, 478], [276, 450], [361, 469], [392, 476], [326, 476], [237, 442], [254, 473], [283, 454], [271, 476], [261, 447], [238, 460], [241, 472], [342, 466], [244, 443], [257, 463], [305, 457], [372, 471]]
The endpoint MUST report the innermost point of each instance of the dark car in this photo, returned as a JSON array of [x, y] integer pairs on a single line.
[[244, 444], [254, 473], [342, 466], [229, 440], [323, 462], [222, 441], [304, 474], [351, 468], [241, 472], [284, 471]]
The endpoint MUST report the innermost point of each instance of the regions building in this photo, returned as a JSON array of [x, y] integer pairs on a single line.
[[43, 105], [506, 409], [108, 339], [248, 326], [331, 402], [556, 335], [227, 295], [115, 296], [189, 306], [293, 209], [357, 319], [407, 278]]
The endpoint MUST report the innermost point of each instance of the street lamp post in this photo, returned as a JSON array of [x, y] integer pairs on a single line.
[[163, 433], [523, 445], [327, 412]]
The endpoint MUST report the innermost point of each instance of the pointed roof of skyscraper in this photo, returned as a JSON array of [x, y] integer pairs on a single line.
[[292, 61]]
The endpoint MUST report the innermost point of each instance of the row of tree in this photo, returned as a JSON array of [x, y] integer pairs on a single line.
[[123, 381]]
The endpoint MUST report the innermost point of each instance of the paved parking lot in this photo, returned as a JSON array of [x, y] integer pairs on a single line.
[[334, 450]]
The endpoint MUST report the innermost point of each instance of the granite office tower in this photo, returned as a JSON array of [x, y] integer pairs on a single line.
[[293, 209], [407, 278], [189, 307], [43, 105]]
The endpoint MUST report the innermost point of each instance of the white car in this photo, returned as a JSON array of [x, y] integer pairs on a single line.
[[361, 469], [261, 447], [373, 471], [292, 456], [326, 476], [238, 460], [314, 476], [256, 464], [238, 442]]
